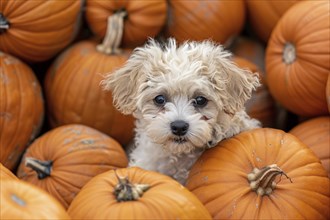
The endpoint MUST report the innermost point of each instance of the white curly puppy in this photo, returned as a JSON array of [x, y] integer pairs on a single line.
[[185, 98]]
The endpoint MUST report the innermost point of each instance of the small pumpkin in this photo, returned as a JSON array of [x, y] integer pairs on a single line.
[[21, 109], [261, 105], [199, 20], [297, 58], [142, 19], [62, 160], [37, 30], [315, 134], [263, 173], [264, 15], [6, 173], [134, 193], [22, 200], [74, 94]]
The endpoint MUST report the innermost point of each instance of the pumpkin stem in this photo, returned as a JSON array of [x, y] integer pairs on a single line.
[[4, 24], [289, 53], [43, 168], [262, 180], [126, 191], [113, 36]]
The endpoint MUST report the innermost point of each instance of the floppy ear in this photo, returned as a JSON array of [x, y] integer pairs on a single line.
[[239, 86], [234, 84], [124, 83]]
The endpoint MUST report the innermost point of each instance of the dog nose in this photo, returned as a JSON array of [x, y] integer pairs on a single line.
[[179, 127]]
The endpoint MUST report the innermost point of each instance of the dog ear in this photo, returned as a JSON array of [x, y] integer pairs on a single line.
[[124, 83], [234, 84]]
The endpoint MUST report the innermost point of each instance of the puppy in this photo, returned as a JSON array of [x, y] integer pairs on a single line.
[[185, 98]]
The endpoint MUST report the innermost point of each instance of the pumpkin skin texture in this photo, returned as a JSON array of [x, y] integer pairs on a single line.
[[297, 58], [38, 30], [74, 94], [21, 200], [21, 109], [220, 178], [72, 155], [315, 134], [6, 174], [327, 92], [144, 18], [199, 20], [264, 15], [261, 105], [165, 198]]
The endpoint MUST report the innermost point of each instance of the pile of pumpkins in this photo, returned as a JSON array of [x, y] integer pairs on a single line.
[[63, 143]]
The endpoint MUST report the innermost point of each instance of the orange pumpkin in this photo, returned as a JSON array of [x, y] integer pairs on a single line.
[[21, 109], [198, 20], [315, 133], [37, 30], [74, 94], [142, 19], [134, 193], [297, 58], [62, 160], [263, 173], [251, 50], [6, 174], [264, 15], [21, 200], [327, 92], [261, 105]]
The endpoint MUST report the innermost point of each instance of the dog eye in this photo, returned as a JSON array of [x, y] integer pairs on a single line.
[[200, 101], [160, 100]]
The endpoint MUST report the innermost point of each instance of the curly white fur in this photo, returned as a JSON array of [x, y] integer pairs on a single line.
[[181, 74]]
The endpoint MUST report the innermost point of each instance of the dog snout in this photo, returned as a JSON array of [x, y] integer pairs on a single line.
[[179, 127]]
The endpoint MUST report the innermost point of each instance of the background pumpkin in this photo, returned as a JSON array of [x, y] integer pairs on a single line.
[[37, 30], [6, 174], [62, 160], [264, 15], [21, 109], [315, 134], [162, 198], [297, 58], [74, 95], [327, 92], [144, 18], [198, 20], [261, 105], [263, 173], [21, 200]]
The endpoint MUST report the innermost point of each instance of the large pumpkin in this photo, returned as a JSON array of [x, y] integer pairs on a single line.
[[21, 200], [315, 133], [261, 105], [134, 193], [62, 160], [74, 94], [264, 15], [142, 19], [297, 58], [263, 173], [199, 20], [37, 30], [21, 109]]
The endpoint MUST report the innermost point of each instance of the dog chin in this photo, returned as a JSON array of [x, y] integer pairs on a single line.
[[180, 145]]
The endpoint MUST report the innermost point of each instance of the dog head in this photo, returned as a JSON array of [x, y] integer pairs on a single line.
[[183, 95]]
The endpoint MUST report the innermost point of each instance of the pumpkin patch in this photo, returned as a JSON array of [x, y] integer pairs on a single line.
[[64, 146]]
